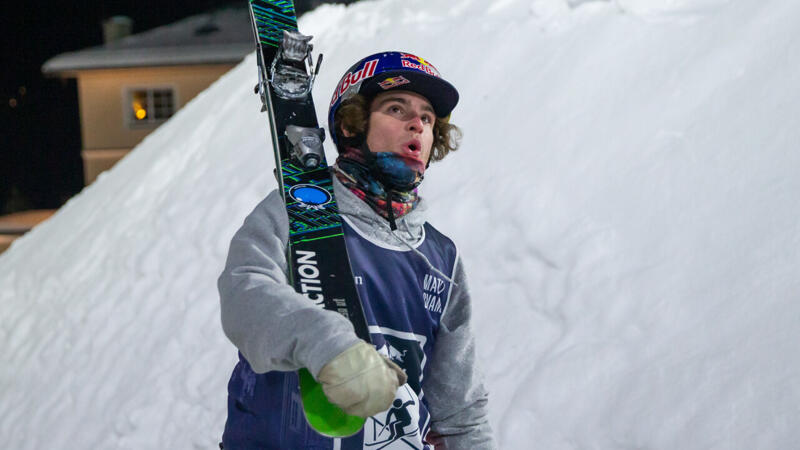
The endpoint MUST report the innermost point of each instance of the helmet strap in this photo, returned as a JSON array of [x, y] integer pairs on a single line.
[[344, 142], [369, 158], [390, 211]]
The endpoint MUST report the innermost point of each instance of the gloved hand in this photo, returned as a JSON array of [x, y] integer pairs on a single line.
[[361, 381]]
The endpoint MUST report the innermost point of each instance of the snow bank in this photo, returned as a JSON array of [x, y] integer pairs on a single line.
[[625, 201]]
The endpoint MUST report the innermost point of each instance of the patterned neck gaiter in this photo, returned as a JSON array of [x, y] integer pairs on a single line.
[[386, 176]]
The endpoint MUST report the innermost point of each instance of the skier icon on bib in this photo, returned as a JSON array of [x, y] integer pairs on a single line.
[[399, 427], [402, 418]]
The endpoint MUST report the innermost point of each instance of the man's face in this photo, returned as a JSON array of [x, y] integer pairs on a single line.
[[401, 122]]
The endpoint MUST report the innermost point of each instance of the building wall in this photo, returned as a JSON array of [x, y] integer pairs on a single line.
[[105, 130]]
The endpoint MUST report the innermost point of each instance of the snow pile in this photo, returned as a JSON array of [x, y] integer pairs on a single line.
[[625, 201]]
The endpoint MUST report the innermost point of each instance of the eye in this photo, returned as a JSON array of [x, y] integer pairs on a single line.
[[395, 109], [427, 118]]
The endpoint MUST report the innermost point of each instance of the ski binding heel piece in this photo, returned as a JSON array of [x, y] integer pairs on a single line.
[[306, 145]]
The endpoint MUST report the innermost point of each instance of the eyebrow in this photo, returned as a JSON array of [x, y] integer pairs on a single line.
[[405, 102]]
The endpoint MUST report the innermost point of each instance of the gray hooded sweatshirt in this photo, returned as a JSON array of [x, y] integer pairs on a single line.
[[276, 328]]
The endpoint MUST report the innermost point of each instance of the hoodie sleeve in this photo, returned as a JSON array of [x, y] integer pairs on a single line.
[[455, 391], [274, 327]]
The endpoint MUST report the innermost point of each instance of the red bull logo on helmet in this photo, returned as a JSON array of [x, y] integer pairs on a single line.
[[418, 64], [352, 78], [393, 82]]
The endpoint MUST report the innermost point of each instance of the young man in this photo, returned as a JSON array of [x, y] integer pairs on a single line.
[[418, 385]]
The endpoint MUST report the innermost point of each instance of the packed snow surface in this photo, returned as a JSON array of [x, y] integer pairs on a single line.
[[626, 203]]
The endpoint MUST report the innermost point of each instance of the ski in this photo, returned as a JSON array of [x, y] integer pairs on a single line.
[[318, 264]]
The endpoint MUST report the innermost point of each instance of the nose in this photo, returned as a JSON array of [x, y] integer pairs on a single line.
[[415, 123]]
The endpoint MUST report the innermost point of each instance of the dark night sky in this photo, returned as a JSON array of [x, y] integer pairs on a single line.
[[40, 164]]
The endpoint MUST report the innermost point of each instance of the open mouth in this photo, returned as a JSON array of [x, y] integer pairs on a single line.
[[414, 147]]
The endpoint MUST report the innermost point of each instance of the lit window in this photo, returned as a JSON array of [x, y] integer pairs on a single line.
[[150, 106]]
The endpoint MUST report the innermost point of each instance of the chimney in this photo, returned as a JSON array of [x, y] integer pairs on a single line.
[[116, 28]]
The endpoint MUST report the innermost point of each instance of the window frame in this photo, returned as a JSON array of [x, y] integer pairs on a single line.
[[151, 121]]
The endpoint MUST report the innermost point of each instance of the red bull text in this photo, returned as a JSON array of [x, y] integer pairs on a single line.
[[354, 77], [430, 70], [422, 65]]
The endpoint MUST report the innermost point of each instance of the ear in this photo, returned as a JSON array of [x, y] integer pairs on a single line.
[[346, 132]]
